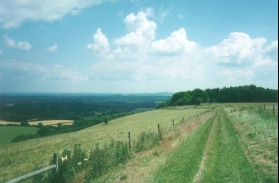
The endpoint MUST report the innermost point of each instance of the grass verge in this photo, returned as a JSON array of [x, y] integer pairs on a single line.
[[258, 134]]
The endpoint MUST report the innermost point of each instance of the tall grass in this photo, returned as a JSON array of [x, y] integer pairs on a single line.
[[258, 134], [99, 161]]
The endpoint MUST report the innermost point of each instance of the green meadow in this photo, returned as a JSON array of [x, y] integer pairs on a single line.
[[7, 133]]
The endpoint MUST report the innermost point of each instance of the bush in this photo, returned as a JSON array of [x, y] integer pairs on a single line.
[[102, 160], [147, 141], [23, 137]]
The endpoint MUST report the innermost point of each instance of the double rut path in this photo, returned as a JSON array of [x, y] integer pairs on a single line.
[[211, 154]]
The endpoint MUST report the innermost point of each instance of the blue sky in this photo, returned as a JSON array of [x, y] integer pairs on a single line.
[[134, 46]]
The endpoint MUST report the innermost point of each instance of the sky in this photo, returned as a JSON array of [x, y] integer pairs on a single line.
[[137, 46]]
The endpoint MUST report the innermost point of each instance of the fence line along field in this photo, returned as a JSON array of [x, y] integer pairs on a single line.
[[36, 153]]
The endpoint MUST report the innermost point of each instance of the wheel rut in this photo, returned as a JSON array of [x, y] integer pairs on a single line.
[[206, 149]]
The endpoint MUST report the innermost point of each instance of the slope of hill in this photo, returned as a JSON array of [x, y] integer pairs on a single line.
[[24, 157]]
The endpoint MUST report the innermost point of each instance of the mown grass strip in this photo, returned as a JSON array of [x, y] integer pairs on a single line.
[[227, 161], [183, 163]]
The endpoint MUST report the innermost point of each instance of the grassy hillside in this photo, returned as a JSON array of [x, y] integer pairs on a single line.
[[234, 142], [24, 157], [7, 133]]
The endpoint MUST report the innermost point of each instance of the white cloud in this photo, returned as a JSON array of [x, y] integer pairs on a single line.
[[138, 60], [163, 12], [141, 32], [9, 42], [272, 51], [23, 45], [14, 13], [237, 75], [238, 48], [52, 48], [26, 71], [177, 43], [101, 44], [149, 12]]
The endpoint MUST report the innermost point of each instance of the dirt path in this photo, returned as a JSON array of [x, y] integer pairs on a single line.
[[205, 153]]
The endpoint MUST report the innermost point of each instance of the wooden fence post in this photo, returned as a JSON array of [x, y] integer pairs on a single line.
[[129, 136], [159, 132], [55, 160], [273, 110], [172, 123], [264, 107]]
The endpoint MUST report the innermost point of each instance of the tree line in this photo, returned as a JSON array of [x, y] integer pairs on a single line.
[[24, 108], [246, 93], [80, 124]]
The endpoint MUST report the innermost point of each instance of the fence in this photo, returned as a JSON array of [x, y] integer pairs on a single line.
[[32, 174], [77, 148]]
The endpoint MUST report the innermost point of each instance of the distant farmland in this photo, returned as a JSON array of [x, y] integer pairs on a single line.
[[9, 122], [7, 133], [52, 122]]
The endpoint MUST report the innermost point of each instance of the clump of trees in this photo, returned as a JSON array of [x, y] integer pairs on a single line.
[[247, 93]]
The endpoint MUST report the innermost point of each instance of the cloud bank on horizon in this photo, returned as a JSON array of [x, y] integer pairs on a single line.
[[130, 47]]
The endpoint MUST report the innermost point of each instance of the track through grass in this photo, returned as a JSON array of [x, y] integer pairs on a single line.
[[211, 154], [183, 163], [227, 161]]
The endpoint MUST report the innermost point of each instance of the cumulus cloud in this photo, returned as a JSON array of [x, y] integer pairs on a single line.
[[238, 48], [141, 32], [100, 45], [138, 57], [176, 43], [23, 45], [52, 48], [272, 51], [14, 13]]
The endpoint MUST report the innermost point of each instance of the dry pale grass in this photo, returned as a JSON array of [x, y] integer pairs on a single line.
[[140, 167], [23, 157], [9, 122], [52, 122]]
